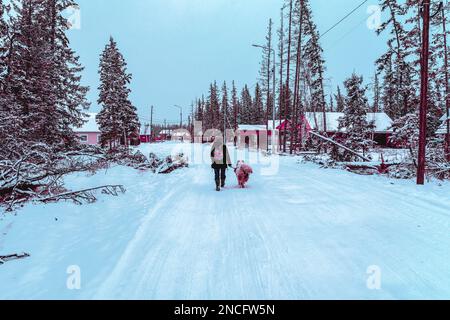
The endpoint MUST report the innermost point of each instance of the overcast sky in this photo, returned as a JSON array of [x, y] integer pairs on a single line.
[[175, 48]]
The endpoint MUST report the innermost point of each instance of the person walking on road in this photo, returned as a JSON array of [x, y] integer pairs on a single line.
[[220, 159]]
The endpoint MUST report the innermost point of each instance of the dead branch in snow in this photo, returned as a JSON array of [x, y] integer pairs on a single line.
[[340, 146], [84, 196], [16, 256]]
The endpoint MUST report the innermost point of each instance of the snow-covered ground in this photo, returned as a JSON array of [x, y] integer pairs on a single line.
[[297, 232]]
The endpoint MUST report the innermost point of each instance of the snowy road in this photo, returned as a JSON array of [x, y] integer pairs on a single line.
[[303, 233]]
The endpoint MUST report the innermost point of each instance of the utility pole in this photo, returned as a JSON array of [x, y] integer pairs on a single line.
[[297, 91], [165, 129], [274, 93], [287, 101], [274, 99], [282, 110], [192, 123], [424, 92], [225, 115], [181, 115], [151, 124], [447, 87]]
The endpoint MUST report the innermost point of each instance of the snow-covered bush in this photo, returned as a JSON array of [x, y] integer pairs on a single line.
[[323, 160]]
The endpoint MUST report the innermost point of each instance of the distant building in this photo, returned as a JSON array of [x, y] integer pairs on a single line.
[[248, 134], [382, 122], [89, 133]]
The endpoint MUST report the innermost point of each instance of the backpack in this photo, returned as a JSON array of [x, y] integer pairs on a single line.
[[218, 155]]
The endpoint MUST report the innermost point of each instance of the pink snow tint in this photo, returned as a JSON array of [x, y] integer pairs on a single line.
[[305, 233]]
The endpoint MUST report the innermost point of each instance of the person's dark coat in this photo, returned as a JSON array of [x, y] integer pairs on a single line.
[[224, 161]]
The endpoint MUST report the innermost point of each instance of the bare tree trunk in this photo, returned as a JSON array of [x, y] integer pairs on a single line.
[[294, 129], [282, 110], [288, 75]]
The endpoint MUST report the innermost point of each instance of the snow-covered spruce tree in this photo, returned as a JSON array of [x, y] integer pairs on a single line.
[[376, 107], [265, 73], [70, 99], [207, 115], [235, 109], [331, 104], [398, 65], [437, 89], [225, 107], [313, 54], [281, 67], [406, 126], [203, 111], [287, 91], [354, 123], [9, 126], [257, 110], [246, 104], [199, 110], [43, 72], [388, 92], [406, 131], [27, 79], [118, 118], [4, 32], [287, 98], [213, 108], [299, 21], [340, 100]]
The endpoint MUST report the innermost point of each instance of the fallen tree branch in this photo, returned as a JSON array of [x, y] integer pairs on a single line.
[[16, 256], [86, 195], [340, 146]]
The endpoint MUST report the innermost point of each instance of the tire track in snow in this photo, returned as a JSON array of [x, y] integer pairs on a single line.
[[121, 271], [305, 233]]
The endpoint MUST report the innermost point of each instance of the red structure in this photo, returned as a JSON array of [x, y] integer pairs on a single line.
[[328, 123]]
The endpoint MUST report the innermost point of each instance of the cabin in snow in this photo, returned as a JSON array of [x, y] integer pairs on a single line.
[[89, 133], [254, 136], [327, 122]]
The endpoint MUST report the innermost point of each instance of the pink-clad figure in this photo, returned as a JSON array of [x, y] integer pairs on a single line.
[[243, 172]]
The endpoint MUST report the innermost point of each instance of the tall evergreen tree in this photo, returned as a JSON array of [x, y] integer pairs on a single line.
[[225, 107], [257, 110], [316, 64], [376, 94], [213, 107], [340, 100], [199, 110], [397, 64], [118, 118], [246, 104], [354, 122], [43, 73], [10, 126], [70, 100], [235, 106], [265, 73], [331, 104]]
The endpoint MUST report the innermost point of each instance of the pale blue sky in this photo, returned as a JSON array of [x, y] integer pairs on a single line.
[[175, 48]]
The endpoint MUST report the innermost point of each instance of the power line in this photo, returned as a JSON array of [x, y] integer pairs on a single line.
[[346, 35], [344, 18]]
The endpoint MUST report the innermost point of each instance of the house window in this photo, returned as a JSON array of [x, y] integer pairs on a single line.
[[98, 138], [83, 138]]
